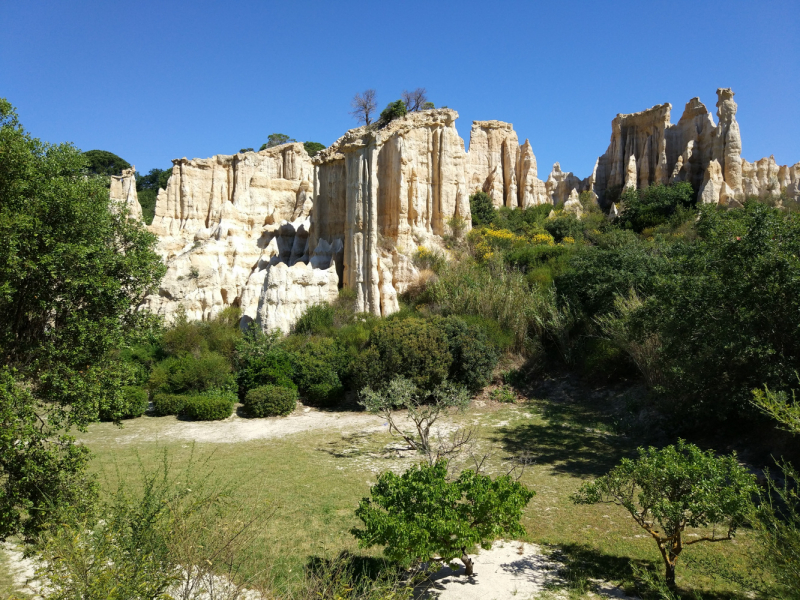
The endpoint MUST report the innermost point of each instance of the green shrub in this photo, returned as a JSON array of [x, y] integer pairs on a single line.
[[504, 394], [320, 364], [482, 209], [317, 320], [474, 356], [270, 401], [394, 110], [313, 148], [563, 226], [654, 205], [412, 348], [212, 405], [187, 373], [168, 404], [275, 367], [132, 403]]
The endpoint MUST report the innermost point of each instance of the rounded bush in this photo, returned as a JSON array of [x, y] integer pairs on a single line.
[[319, 363], [274, 367], [211, 406], [328, 393], [270, 401], [132, 403], [412, 348], [474, 355], [168, 404], [189, 373]]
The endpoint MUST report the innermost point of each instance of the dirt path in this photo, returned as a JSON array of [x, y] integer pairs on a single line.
[[233, 430]]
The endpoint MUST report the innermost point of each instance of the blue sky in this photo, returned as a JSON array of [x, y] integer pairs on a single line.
[[152, 81]]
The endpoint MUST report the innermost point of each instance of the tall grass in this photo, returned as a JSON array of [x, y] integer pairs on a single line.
[[494, 291]]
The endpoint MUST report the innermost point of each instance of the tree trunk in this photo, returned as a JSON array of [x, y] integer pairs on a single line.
[[468, 564], [670, 575]]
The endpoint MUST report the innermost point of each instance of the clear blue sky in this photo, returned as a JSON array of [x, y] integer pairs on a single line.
[[152, 81]]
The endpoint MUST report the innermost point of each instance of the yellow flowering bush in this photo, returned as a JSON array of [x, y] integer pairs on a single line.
[[568, 240], [539, 239]]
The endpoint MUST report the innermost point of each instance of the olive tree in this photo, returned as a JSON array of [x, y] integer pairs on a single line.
[[422, 516], [423, 409], [679, 486]]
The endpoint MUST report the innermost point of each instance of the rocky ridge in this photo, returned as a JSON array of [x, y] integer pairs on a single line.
[[274, 232]]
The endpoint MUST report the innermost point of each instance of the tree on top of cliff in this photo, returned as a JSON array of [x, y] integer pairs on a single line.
[[415, 100], [393, 110], [276, 139], [364, 106], [313, 148], [103, 162]]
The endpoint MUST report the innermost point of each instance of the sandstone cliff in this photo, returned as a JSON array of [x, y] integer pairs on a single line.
[[275, 232], [123, 192]]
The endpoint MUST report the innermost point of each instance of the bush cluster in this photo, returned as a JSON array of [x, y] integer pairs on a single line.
[[270, 401]]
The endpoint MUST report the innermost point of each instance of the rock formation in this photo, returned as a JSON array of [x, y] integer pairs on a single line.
[[646, 148], [274, 232], [123, 192]]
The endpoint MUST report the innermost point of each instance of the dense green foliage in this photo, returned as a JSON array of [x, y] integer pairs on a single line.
[[102, 162], [393, 110], [655, 205], [168, 404], [474, 356], [276, 139], [270, 401], [209, 406], [133, 404], [147, 187], [422, 514], [482, 209], [72, 272], [679, 486], [313, 148]]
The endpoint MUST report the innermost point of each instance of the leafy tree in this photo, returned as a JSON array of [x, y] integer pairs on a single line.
[[428, 106], [276, 139], [668, 490], [423, 410], [655, 204], [72, 273], [482, 209], [420, 515], [364, 106], [147, 187], [103, 162], [393, 110], [415, 100], [243, 150], [474, 356], [313, 148]]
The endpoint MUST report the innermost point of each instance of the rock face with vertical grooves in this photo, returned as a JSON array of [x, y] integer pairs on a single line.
[[274, 232], [122, 191]]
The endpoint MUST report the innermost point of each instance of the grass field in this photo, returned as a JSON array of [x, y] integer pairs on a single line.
[[313, 481]]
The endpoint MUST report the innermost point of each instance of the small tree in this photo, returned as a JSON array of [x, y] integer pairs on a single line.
[[276, 139], [313, 148], [424, 409], [364, 106], [420, 515], [394, 110], [482, 209], [415, 100], [671, 489]]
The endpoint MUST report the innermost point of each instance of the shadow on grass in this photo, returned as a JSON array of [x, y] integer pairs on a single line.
[[570, 440], [350, 575]]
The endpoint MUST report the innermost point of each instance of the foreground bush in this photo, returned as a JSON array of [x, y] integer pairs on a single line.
[[421, 513], [270, 401], [210, 406]]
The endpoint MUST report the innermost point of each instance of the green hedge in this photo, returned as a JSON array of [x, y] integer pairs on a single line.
[[210, 406], [168, 404], [270, 401]]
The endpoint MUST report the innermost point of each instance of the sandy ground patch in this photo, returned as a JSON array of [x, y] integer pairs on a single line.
[[233, 430], [508, 571]]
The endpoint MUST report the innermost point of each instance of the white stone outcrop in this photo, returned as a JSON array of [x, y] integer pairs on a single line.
[[122, 192], [274, 232]]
